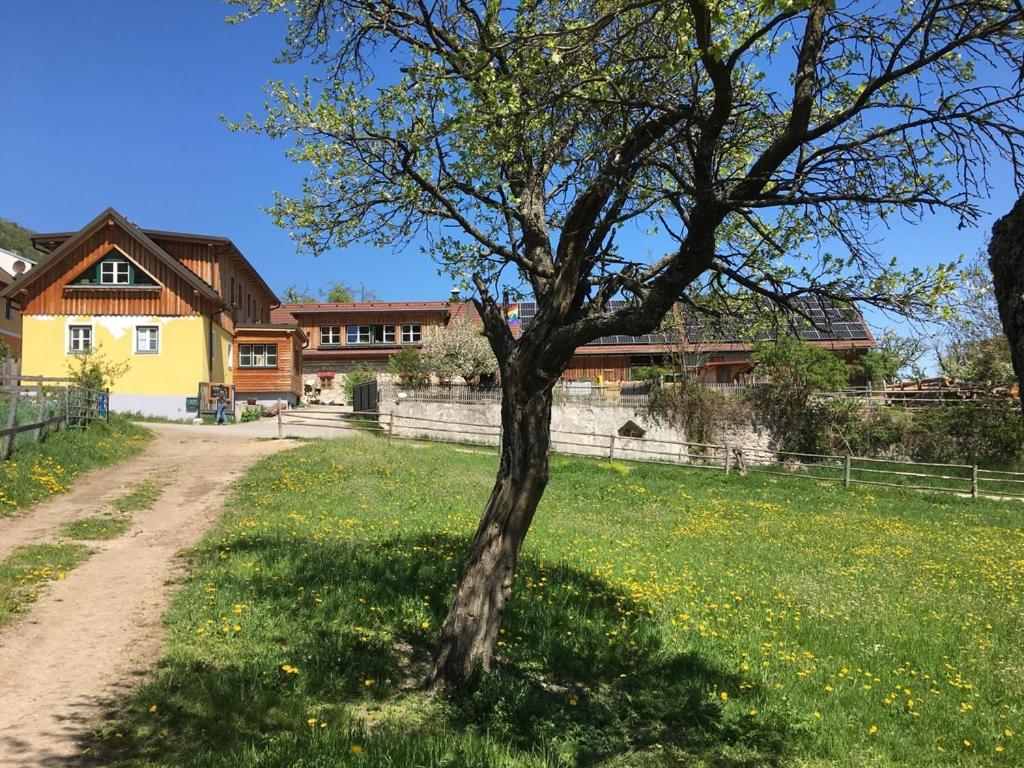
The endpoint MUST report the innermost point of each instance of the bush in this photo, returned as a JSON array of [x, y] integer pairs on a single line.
[[92, 370], [987, 433], [252, 413], [696, 409], [648, 373], [979, 432], [356, 376], [409, 366]]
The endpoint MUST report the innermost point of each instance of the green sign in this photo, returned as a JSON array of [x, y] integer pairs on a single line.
[[191, 405]]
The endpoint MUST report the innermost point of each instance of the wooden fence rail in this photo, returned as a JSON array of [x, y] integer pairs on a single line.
[[44, 404], [960, 479]]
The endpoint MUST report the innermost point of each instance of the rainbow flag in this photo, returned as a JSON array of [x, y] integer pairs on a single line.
[[513, 314]]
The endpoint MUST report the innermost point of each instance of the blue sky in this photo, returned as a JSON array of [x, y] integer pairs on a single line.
[[118, 102]]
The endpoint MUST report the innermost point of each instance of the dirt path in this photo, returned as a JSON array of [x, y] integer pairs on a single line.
[[91, 637]]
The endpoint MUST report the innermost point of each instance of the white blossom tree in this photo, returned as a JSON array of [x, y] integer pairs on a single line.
[[459, 350]]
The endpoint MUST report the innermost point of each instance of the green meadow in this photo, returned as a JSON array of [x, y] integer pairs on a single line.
[[661, 616]]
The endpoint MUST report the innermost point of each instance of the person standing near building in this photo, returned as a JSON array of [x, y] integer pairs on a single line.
[[222, 406]]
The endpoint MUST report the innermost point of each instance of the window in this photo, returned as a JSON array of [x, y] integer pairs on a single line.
[[412, 334], [370, 334], [147, 339], [8, 310], [257, 355], [359, 334], [114, 272], [231, 362], [80, 338], [330, 335]]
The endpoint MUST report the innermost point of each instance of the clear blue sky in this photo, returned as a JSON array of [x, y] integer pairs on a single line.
[[117, 102]]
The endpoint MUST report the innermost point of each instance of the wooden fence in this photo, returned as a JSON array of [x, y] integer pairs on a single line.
[[33, 406], [847, 470]]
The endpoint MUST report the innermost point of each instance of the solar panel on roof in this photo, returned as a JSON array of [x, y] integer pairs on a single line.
[[828, 322]]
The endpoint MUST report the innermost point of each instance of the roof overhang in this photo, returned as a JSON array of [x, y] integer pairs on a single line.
[[111, 217]]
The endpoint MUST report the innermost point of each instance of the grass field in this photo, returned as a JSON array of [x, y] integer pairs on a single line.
[[661, 616], [37, 471]]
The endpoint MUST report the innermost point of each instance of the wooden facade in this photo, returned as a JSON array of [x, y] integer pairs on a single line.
[[229, 288], [343, 356], [285, 376]]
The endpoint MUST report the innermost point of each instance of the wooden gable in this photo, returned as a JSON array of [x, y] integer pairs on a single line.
[[51, 289]]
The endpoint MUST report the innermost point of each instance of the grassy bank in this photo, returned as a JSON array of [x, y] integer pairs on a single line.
[[37, 471], [661, 616]]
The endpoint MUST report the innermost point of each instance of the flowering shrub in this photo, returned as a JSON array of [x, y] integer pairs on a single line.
[[459, 350]]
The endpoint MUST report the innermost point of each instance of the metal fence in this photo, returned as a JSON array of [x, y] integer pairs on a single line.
[[846, 470]]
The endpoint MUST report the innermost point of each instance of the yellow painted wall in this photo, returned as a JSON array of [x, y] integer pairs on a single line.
[[223, 350], [176, 369]]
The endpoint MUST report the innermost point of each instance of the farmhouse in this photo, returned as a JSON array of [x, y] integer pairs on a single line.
[[185, 311], [716, 352], [366, 334], [344, 336]]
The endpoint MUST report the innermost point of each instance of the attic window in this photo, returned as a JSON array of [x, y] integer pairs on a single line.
[[114, 272]]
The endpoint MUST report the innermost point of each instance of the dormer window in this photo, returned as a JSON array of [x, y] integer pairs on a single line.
[[114, 272]]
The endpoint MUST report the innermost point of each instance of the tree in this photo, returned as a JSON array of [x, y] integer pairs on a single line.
[[517, 141], [1006, 252], [292, 295], [343, 293], [973, 346], [458, 350]]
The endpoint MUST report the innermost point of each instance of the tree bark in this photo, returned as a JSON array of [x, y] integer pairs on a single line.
[[470, 629], [1006, 260]]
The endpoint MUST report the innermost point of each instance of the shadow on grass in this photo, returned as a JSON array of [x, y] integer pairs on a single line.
[[583, 677]]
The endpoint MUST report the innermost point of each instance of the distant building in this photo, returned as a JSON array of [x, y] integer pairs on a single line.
[[716, 352], [11, 265], [366, 334], [187, 311]]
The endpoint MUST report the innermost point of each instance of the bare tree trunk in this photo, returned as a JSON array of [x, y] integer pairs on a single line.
[[470, 630], [1006, 260]]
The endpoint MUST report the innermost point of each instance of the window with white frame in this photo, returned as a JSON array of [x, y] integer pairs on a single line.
[[147, 339], [257, 355], [412, 334], [80, 338], [330, 335], [370, 334], [114, 272]]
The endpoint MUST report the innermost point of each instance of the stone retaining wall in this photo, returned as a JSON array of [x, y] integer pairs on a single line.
[[587, 430]]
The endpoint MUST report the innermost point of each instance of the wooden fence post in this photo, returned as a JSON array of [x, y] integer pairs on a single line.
[[846, 472], [280, 427], [611, 449], [43, 408], [12, 418], [728, 458], [974, 481], [391, 425]]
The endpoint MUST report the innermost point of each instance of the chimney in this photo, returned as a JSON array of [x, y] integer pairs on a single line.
[[455, 295]]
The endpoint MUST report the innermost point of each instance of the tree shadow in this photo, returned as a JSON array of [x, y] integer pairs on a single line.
[[583, 676]]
